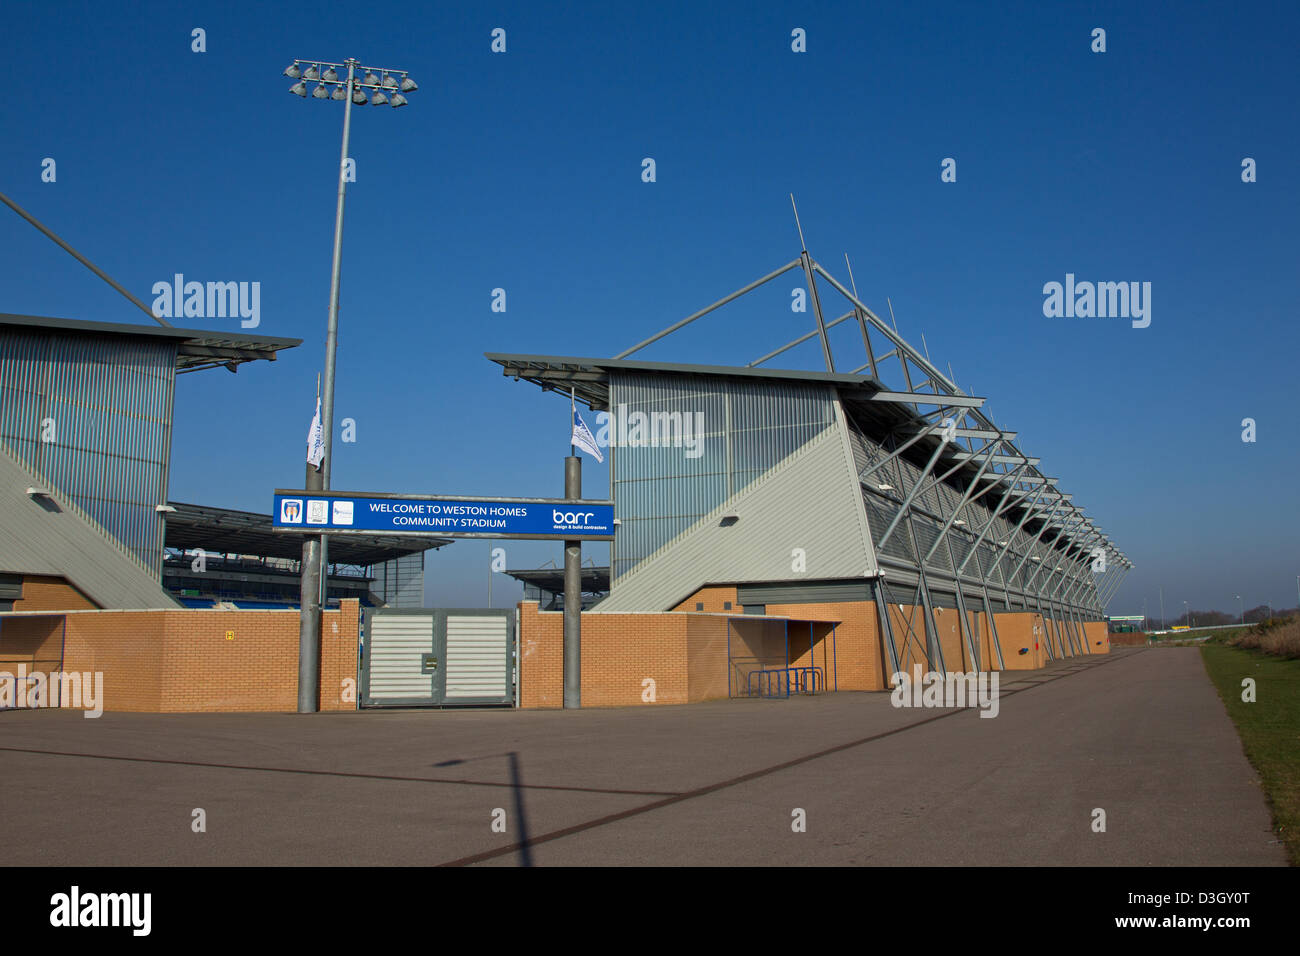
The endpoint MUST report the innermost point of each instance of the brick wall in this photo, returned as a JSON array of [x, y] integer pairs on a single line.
[[715, 600], [686, 651], [706, 657], [182, 660], [685, 654], [619, 652], [1016, 631], [44, 593], [1100, 638], [856, 655]]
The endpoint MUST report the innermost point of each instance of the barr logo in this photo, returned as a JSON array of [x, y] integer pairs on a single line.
[[571, 517]]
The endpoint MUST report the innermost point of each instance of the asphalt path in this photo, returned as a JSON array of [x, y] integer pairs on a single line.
[[840, 779]]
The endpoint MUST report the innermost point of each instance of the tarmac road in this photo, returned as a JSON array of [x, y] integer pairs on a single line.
[[1140, 734]]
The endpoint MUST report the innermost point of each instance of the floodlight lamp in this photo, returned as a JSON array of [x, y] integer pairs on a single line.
[[293, 73], [408, 84], [379, 99], [311, 73], [358, 97], [390, 82], [398, 100], [371, 80], [339, 93], [330, 75], [299, 88], [320, 92]]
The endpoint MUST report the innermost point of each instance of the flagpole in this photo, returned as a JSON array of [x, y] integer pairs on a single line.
[[572, 658], [324, 541], [310, 598]]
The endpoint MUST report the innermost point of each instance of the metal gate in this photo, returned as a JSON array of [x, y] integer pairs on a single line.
[[438, 657]]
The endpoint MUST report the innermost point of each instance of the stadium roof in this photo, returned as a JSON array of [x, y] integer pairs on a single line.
[[589, 377], [912, 411], [196, 348], [551, 580], [226, 531]]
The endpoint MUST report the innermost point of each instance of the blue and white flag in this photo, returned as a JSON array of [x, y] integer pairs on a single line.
[[584, 439], [316, 440]]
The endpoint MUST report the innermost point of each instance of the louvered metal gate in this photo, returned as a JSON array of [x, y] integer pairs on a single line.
[[438, 657]]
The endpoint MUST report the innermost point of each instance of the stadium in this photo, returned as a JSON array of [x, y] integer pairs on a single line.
[[786, 532], [826, 529]]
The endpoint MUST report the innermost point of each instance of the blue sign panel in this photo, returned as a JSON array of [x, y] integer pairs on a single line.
[[338, 512]]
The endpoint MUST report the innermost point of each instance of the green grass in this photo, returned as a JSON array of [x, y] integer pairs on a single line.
[[1269, 728], [1198, 636]]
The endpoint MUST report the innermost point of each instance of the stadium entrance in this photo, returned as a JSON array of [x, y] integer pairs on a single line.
[[437, 658]]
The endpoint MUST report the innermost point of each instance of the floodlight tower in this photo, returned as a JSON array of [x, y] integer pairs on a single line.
[[388, 87]]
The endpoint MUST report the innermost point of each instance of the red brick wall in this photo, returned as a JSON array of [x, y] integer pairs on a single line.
[[706, 657], [181, 660], [1016, 630], [619, 652], [686, 652], [30, 640], [1100, 638], [714, 599], [856, 656], [43, 593]]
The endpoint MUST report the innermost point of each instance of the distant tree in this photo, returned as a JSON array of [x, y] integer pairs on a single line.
[[1256, 614]]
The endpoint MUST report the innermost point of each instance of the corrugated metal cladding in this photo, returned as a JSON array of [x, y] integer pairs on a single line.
[[802, 520], [91, 414], [705, 439], [63, 541]]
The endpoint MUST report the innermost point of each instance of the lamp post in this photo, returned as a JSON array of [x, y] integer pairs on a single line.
[[388, 86], [1243, 610], [1187, 615]]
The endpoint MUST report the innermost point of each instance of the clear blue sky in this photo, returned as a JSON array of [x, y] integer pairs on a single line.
[[523, 171]]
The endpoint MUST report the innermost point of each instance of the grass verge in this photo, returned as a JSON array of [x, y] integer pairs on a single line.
[[1269, 728]]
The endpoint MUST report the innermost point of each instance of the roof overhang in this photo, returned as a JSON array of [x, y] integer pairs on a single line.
[[589, 377], [195, 348]]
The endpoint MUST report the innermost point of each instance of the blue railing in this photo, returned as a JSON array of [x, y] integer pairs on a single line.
[[784, 681]]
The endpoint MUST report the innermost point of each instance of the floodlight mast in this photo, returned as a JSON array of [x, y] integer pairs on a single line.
[[314, 576]]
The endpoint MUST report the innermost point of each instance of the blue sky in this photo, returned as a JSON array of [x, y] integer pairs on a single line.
[[522, 171]]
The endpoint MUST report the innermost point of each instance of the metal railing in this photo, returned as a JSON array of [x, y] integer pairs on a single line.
[[783, 681]]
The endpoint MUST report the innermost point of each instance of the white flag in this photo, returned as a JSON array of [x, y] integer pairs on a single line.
[[583, 438], [316, 440]]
